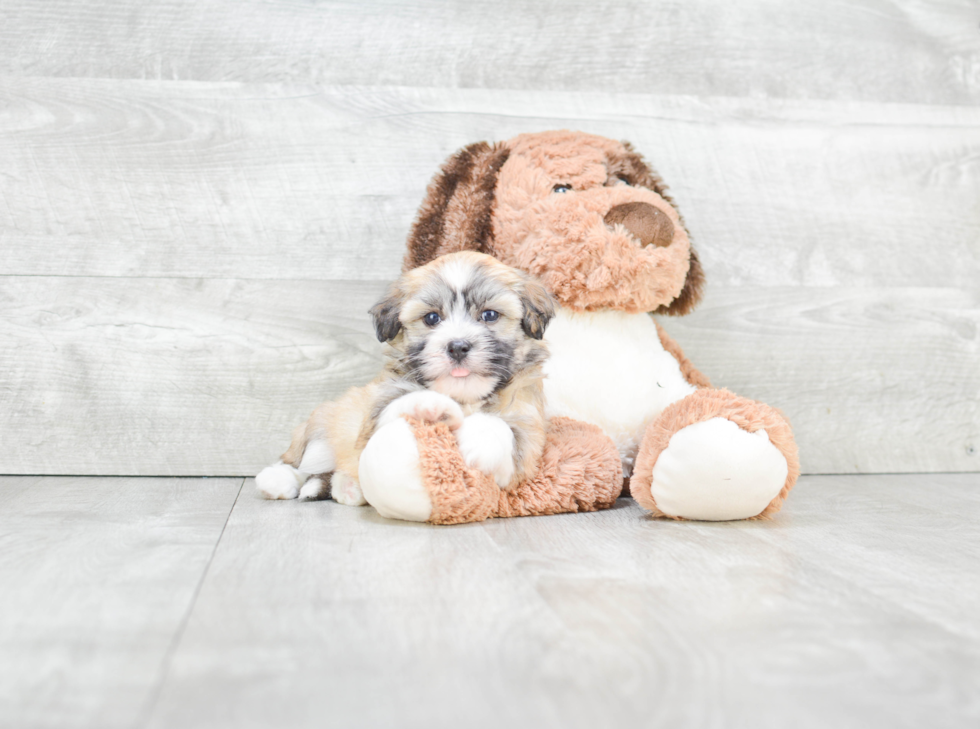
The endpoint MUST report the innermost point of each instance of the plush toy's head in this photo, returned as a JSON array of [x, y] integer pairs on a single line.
[[583, 213]]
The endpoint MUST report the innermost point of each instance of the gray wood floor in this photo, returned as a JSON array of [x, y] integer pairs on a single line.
[[135, 602]]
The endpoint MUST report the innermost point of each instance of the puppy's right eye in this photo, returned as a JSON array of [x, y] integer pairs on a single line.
[[561, 188], [431, 319]]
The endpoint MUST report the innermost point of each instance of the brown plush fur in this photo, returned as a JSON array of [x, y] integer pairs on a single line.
[[564, 239], [690, 372], [596, 224], [578, 471], [456, 213], [704, 405]]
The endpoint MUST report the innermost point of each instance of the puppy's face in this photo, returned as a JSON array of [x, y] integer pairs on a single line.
[[464, 324]]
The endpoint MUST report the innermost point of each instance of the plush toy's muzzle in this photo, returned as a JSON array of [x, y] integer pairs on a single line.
[[595, 247], [644, 222]]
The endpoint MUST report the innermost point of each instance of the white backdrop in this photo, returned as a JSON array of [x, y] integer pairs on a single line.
[[199, 202]]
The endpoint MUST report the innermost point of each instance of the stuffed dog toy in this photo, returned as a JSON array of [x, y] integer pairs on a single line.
[[591, 220], [594, 223]]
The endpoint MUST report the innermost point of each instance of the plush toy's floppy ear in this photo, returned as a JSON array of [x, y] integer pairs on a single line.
[[539, 308], [691, 294], [385, 315], [458, 207], [634, 169]]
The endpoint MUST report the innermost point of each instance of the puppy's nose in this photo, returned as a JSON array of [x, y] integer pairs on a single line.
[[645, 222], [458, 349]]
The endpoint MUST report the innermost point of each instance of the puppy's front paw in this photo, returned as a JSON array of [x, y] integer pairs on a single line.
[[428, 406], [487, 444], [279, 481]]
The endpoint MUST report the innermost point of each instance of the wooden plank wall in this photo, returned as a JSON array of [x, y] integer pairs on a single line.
[[199, 201]]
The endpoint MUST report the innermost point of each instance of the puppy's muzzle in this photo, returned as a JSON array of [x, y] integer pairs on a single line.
[[458, 349], [650, 226]]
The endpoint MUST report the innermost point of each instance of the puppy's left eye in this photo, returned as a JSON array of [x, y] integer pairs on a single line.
[[431, 319], [489, 315], [561, 188]]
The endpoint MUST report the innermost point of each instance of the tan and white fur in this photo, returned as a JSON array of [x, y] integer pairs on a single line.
[[462, 345]]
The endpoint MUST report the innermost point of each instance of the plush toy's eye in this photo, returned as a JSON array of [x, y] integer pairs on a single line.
[[561, 188], [489, 315], [622, 180], [432, 318]]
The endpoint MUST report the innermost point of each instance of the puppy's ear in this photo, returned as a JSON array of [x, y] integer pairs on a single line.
[[539, 308], [385, 314], [456, 214]]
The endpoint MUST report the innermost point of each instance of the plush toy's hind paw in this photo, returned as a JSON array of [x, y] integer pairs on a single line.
[[715, 471], [715, 456]]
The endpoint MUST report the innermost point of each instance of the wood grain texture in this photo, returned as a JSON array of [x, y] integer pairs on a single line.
[[319, 614], [875, 50], [883, 380], [172, 377], [97, 577], [183, 377], [114, 178], [199, 201]]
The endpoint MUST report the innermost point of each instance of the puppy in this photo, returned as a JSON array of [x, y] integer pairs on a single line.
[[462, 345]]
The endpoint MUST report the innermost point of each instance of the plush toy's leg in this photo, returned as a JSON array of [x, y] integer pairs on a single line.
[[580, 470], [414, 471], [715, 456]]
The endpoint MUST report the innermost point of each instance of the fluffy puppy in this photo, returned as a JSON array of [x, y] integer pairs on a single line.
[[462, 345]]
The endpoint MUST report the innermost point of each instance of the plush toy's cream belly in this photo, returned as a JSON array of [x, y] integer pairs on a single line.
[[609, 368]]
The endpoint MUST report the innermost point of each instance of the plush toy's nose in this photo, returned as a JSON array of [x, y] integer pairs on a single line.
[[644, 221]]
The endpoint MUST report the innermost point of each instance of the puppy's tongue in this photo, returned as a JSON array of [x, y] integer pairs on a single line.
[[459, 372]]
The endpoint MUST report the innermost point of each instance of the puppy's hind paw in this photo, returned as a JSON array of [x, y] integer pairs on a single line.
[[346, 490], [279, 481], [315, 489], [428, 406]]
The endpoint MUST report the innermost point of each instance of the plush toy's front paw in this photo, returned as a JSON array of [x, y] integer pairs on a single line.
[[487, 444], [424, 405], [715, 471], [389, 473]]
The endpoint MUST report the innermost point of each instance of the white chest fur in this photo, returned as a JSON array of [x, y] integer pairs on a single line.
[[609, 368]]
